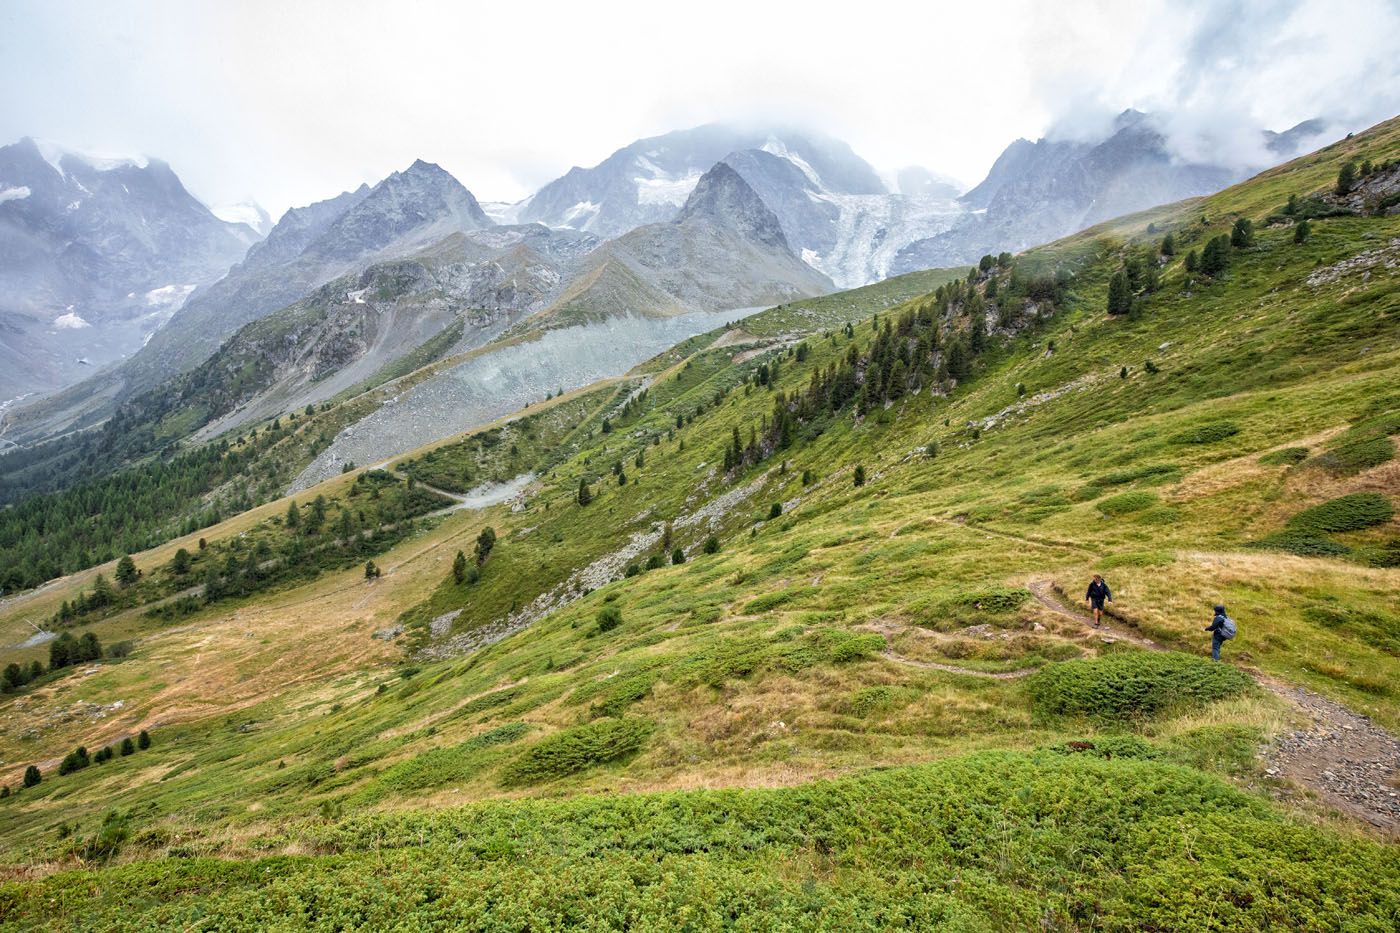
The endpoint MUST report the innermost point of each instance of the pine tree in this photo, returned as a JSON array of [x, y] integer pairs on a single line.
[[1192, 262], [143, 741], [712, 545], [13, 678], [102, 594], [1168, 247], [775, 510], [126, 571], [1302, 231], [32, 776], [484, 543], [1346, 179], [89, 648], [180, 563], [584, 495], [1242, 234], [678, 556], [293, 516], [371, 571], [459, 567], [128, 747], [1215, 259], [1120, 293], [860, 476]]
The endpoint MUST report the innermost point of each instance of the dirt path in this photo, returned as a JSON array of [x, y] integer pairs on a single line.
[[954, 669], [1343, 758]]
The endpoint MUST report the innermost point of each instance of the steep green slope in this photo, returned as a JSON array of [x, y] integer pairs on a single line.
[[831, 628]]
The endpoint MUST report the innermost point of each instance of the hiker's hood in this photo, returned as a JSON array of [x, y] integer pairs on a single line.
[[1220, 610]]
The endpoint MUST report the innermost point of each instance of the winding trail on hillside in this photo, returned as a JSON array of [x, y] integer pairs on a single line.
[[1346, 760]]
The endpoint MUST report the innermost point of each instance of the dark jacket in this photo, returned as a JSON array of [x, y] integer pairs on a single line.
[[1218, 622], [1098, 591]]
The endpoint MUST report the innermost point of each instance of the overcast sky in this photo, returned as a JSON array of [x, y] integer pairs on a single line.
[[292, 101]]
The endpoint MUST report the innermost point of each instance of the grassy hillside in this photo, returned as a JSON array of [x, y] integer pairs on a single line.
[[835, 678]]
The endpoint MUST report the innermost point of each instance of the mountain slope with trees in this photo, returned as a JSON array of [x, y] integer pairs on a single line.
[[807, 650]]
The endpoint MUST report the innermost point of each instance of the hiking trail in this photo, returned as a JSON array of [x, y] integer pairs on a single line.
[[1342, 757]]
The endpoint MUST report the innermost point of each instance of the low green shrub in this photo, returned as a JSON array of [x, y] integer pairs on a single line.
[[767, 601], [1127, 502], [1288, 456], [439, 766], [609, 618], [983, 842], [491, 700], [1345, 513], [1137, 559], [1152, 474], [997, 600], [1349, 458], [869, 701], [577, 749], [621, 693], [1303, 544], [1131, 684], [1209, 433]]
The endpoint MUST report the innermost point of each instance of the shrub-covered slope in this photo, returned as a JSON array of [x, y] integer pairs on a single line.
[[811, 550]]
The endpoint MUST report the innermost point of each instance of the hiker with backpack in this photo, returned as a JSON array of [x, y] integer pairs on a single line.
[[1097, 594], [1222, 629]]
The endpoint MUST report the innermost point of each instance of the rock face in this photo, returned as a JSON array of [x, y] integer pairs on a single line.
[[835, 212], [309, 247], [1038, 192], [647, 181], [95, 254], [724, 250], [851, 236]]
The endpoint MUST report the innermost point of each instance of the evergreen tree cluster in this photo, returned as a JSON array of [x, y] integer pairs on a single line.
[[79, 758], [377, 511]]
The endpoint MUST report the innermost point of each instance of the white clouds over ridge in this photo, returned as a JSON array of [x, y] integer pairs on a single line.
[[291, 102]]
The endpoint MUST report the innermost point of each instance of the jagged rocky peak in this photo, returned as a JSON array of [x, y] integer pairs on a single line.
[[96, 252], [418, 205], [722, 197]]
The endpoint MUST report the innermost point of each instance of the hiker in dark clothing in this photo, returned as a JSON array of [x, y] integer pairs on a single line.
[[1222, 629], [1096, 596]]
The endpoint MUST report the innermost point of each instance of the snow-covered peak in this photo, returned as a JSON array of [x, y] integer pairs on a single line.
[[14, 194], [775, 146], [55, 154], [248, 212]]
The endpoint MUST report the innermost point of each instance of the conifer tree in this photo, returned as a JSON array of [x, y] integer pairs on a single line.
[[1346, 179], [1168, 247], [143, 741], [1120, 293], [484, 543], [180, 563], [459, 567], [1242, 234], [584, 495], [860, 476], [126, 571], [1192, 261], [1302, 231], [128, 747], [32, 776], [1215, 259]]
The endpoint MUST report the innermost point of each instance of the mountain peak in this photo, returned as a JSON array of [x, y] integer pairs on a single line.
[[722, 197]]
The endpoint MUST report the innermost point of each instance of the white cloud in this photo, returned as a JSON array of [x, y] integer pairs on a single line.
[[293, 102], [17, 193]]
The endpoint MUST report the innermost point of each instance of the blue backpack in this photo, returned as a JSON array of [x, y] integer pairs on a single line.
[[1227, 628]]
